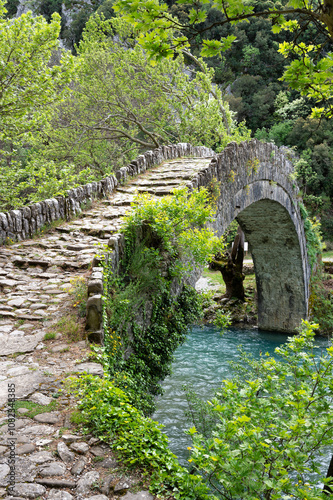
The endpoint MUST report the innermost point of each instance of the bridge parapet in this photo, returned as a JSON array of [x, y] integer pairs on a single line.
[[24, 222]]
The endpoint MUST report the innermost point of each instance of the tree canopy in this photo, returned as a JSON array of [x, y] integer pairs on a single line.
[[30, 77], [121, 104], [311, 70], [73, 119]]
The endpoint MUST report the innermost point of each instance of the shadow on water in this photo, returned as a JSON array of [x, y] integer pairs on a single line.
[[203, 361]]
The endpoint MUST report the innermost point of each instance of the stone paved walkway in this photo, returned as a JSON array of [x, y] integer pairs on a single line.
[[52, 460]]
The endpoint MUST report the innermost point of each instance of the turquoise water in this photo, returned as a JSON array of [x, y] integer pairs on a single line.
[[203, 361]]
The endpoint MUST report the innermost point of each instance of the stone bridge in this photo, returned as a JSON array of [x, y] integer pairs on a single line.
[[256, 189], [38, 343]]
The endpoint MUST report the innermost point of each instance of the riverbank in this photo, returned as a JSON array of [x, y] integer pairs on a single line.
[[212, 286]]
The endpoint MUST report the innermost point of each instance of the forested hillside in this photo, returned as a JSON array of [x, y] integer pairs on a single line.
[[94, 101]]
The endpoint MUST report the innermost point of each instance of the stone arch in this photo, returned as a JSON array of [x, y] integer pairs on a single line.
[[257, 189]]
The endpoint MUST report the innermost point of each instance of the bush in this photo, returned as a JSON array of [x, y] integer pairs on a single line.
[[105, 410], [274, 421]]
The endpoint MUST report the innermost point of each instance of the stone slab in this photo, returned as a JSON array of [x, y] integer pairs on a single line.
[[24, 386], [92, 368], [13, 345]]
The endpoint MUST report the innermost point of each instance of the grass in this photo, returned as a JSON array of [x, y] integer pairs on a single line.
[[328, 255], [69, 326], [62, 430], [15, 355], [77, 418], [34, 408], [78, 291], [50, 336]]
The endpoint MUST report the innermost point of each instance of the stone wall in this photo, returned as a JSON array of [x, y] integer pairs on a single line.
[[23, 223]]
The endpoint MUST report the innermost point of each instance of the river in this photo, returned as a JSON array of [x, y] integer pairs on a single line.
[[203, 361]]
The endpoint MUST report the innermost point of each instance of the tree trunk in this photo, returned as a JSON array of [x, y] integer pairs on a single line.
[[231, 267]]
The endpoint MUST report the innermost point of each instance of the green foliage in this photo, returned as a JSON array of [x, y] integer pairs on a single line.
[[312, 235], [50, 336], [121, 104], [222, 320], [48, 7], [321, 303], [34, 408], [310, 72], [230, 234], [84, 117], [145, 318], [180, 217], [34, 74], [29, 83], [273, 424], [106, 410], [79, 293], [11, 7]]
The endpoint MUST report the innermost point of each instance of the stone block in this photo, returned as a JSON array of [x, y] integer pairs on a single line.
[[94, 313], [95, 287]]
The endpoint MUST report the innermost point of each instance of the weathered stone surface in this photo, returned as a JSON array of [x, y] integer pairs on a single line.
[[36, 430], [25, 449], [65, 454], [81, 448], [29, 490], [141, 495], [94, 309], [98, 497], [98, 451], [43, 442], [40, 399], [109, 463], [59, 348], [122, 486], [95, 287], [56, 483], [41, 457], [25, 470], [54, 469], [19, 423], [59, 495], [85, 483], [108, 483], [78, 467], [4, 471], [27, 344], [92, 368], [18, 370], [47, 418], [71, 438]]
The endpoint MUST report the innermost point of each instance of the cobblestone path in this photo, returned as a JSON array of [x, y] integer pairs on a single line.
[[52, 460]]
